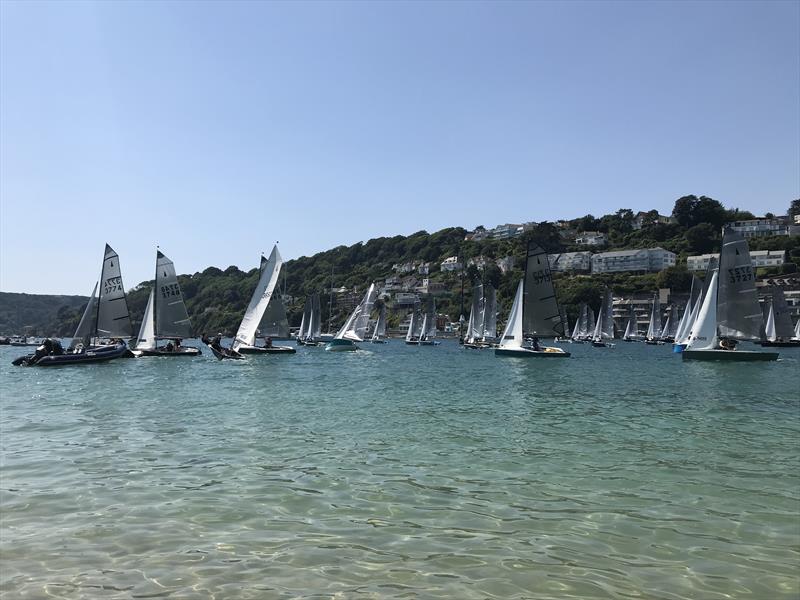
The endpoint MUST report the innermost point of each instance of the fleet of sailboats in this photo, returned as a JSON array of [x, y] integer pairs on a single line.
[[719, 312]]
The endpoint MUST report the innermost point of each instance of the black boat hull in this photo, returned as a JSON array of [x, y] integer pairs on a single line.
[[92, 355]]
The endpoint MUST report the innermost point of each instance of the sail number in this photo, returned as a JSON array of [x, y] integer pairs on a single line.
[[740, 274], [170, 290], [540, 277], [112, 284]]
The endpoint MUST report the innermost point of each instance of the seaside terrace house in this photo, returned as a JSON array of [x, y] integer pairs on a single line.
[[591, 238], [451, 264], [759, 258], [763, 227], [641, 217], [505, 264], [644, 260], [430, 287], [579, 262]]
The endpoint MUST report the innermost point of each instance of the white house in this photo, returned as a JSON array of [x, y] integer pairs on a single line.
[[760, 227], [591, 238], [451, 264], [645, 260], [638, 220], [759, 258], [571, 261]]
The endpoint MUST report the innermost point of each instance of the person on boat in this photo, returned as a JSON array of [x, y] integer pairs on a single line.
[[169, 347], [535, 342], [727, 344], [178, 343], [268, 342]]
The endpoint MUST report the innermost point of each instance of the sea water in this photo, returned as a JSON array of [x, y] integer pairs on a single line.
[[402, 472]]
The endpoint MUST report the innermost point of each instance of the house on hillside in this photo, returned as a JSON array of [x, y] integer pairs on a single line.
[[641, 217], [644, 260]]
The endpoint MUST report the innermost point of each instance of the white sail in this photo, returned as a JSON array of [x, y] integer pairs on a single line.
[[88, 323], [769, 329], [684, 322], [704, 331], [468, 339], [476, 314], [356, 326], [411, 324], [654, 328], [301, 333], [315, 328], [380, 325], [246, 335], [797, 330], [607, 310], [628, 330], [147, 332], [169, 310], [597, 335], [512, 336], [113, 319], [584, 322], [692, 319], [489, 313], [665, 328], [424, 327], [591, 323], [428, 330], [577, 331]]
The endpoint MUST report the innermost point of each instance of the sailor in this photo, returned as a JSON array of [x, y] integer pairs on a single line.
[[535, 342], [727, 344], [268, 342]]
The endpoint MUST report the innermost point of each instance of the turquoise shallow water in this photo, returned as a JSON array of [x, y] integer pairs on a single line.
[[402, 472]]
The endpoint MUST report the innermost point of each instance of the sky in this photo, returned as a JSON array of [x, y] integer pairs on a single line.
[[216, 129]]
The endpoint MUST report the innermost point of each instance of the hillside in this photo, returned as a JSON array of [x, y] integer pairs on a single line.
[[216, 298]]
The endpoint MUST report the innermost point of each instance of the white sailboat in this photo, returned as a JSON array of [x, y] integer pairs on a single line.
[[165, 317], [779, 330], [427, 336], [105, 317], [796, 335], [355, 327], [730, 310], [414, 326], [534, 313], [311, 324], [653, 336], [379, 333], [604, 329]]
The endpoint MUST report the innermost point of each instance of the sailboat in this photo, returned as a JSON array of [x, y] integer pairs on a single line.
[[730, 310], [534, 313], [604, 329], [414, 326], [482, 328], [311, 325], [106, 316], [165, 317], [796, 335], [355, 327], [685, 324], [427, 332], [632, 328], [779, 330], [379, 333], [653, 336]]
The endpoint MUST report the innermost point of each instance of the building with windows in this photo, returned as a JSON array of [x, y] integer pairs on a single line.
[[641, 217], [760, 258], [451, 264], [645, 260], [760, 227], [591, 238], [505, 264], [580, 262]]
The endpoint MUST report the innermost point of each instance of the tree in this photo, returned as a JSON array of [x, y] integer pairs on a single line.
[[709, 211], [702, 238], [683, 211], [676, 278], [794, 208]]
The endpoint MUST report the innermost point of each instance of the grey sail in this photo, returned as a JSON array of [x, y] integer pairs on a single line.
[[477, 313], [489, 312], [315, 328], [540, 313], [738, 312], [430, 319], [275, 323], [113, 319], [583, 329], [607, 329], [780, 310], [591, 323], [86, 327], [171, 318]]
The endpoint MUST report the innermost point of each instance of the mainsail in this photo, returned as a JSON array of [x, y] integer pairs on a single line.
[[147, 332], [428, 331], [171, 318], [513, 336], [274, 323], [356, 325], [489, 312], [781, 316], [246, 335], [315, 328], [540, 313], [380, 324], [476, 314], [113, 319], [738, 313], [88, 323], [654, 328]]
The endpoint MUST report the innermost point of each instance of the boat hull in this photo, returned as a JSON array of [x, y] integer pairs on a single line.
[[678, 348], [340, 346], [225, 353], [183, 351], [728, 355], [547, 352], [92, 355], [265, 350]]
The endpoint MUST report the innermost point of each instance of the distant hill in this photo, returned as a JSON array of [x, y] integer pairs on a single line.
[[37, 314], [216, 298]]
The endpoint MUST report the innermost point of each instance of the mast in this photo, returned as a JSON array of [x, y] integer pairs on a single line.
[[330, 304], [155, 301]]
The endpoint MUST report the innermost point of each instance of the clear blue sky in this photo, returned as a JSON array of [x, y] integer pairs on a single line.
[[215, 129]]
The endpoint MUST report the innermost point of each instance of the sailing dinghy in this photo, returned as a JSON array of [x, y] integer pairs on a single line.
[[604, 329], [165, 317], [779, 332], [428, 330], [730, 310], [379, 333], [355, 327], [106, 316], [534, 313]]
